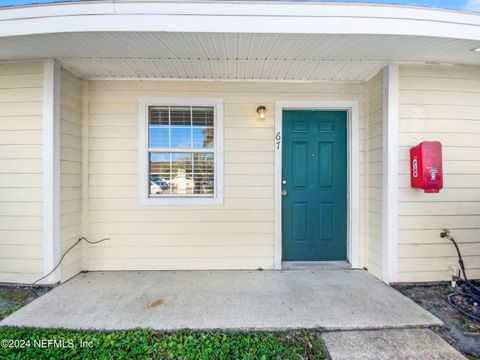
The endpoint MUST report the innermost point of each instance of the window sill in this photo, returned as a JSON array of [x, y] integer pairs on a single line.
[[179, 201]]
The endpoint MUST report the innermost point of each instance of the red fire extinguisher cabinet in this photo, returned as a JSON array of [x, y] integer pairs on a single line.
[[426, 166]]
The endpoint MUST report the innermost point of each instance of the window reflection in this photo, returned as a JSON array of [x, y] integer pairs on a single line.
[[158, 127], [181, 173], [191, 170], [178, 127]]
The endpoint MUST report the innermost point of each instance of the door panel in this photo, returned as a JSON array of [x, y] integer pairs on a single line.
[[325, 164], [300, 222], [314, 174], [300, 162]]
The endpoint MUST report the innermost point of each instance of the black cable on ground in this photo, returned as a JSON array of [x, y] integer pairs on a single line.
[[468, 292], [66, 252]]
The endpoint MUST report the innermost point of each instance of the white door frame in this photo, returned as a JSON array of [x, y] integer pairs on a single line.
[[353, 175]]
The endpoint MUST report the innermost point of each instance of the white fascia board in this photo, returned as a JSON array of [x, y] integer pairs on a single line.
[[51, 170], [240, 8], [53, 10], [293, 18]]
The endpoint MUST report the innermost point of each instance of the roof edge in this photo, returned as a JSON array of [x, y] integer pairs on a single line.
[[238, 16], [269, 2]]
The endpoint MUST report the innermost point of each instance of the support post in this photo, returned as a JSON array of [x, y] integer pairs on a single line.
[[51, 170], [390, 174], [84, 249]]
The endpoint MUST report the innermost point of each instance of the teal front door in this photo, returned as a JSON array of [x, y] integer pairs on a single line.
[[314, 184]]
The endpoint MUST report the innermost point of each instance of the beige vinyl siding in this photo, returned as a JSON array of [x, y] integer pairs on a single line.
[[440, 103], [21, 95], [374, 144], [236, 235], [70, 172]]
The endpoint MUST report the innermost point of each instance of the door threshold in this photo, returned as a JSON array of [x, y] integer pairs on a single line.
[[316, 265]]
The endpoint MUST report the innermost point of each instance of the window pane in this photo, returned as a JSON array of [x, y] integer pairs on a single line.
[[203, 173], [202, 122], [181, 127], [181, 174], [202, 116], [160, 173], [180, 116], [158, 115], [181, 177], [202, 137], [158, 127], [181, 137]]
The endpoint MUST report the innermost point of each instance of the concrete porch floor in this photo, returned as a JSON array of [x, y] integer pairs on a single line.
[[166, 300]]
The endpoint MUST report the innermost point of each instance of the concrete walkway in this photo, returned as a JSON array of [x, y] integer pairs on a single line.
[[166, 300], [391, 344]]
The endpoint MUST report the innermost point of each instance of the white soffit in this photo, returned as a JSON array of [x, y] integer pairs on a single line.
[[295, 57]]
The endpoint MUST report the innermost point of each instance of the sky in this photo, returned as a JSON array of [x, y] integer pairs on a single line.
[[470, 5]]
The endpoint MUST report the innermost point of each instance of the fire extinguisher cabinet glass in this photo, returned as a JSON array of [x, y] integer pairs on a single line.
[[426, 166]]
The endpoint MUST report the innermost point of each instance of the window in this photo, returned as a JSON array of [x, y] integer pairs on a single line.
[[181, 158]]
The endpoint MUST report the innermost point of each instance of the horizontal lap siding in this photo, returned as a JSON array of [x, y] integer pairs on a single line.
[[236, 235], [70, 171], [21, 96], [440, 103], [374, 167]]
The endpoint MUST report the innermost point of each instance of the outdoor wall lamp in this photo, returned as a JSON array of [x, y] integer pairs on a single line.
[[261, 112]]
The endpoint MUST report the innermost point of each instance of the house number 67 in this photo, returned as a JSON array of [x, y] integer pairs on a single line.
[[278, 137]]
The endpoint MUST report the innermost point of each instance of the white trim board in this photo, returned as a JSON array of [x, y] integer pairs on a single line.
[[218, 16], [390, 174], [353, 175], [51, 170], [144, 103], [223, 80]]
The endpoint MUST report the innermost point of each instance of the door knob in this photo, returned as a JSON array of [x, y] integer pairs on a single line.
[[284, 192]]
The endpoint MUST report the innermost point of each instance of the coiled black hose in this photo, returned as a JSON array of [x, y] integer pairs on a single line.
[[467, 291]]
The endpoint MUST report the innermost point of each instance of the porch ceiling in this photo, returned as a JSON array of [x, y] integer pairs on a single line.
[[233, 56]]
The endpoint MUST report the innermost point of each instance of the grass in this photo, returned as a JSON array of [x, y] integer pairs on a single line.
[[5, 312], [13, 298], [149, 344]]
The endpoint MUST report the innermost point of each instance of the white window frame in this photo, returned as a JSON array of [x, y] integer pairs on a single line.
[[144, 104]]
